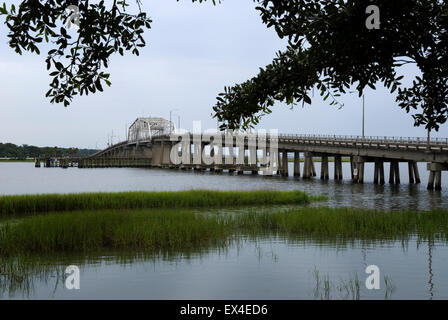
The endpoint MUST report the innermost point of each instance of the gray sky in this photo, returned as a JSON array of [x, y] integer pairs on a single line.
[[193, 51]]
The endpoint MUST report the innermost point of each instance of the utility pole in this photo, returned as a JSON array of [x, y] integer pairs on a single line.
[[363, 112], [171, 124]]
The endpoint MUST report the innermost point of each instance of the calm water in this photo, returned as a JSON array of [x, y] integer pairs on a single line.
[[20, 178], [264, 269]]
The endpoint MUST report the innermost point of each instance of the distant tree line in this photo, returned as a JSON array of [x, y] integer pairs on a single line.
[[10, 150]]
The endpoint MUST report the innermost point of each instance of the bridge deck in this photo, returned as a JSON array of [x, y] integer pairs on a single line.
[[157, 151]]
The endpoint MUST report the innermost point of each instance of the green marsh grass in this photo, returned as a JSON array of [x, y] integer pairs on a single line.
[[22, 205], [157, 230], [345, 289], [350, 223]]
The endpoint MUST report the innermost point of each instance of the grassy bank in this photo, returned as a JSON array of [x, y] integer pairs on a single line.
[[348, 223], [166, 230], [31, 204]]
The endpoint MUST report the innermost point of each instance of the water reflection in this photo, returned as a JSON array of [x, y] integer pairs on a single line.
[[251, 267], [285, 265]]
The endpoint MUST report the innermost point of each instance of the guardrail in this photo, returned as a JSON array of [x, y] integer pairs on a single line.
[[413, 140], [326, 137]]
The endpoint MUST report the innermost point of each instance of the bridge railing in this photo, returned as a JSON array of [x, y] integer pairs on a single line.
[[413, 140], [326, 137]]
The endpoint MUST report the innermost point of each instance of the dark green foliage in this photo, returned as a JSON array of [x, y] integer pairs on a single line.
[[331, 49], [9, 150], [76, 64]]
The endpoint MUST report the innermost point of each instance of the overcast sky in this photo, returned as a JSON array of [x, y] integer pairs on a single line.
[[193, 51]]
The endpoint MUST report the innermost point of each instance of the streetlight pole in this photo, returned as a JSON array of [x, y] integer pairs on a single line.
[[363, 113], [171, 126]]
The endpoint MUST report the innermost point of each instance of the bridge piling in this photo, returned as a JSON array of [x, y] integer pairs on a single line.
[[306, 167], [285, 171], [308, 170], [361, 172], [296, 164], [397, 172], [378, 172], [416, 174], [324, 168], [337, 168], [411, 172], [352, 169]]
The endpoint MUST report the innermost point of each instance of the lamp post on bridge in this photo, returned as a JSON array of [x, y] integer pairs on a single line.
[[363, 115], [363, 111], [126, 132], [171, 126], [178, 120]]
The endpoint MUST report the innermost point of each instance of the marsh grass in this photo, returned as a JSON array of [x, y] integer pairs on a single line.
[[173, 234], [345, 289], [347, 223], [161, 230], [155, 230], [21, 205]]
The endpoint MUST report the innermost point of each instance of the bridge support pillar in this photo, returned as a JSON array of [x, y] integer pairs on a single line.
[[308, 167], [352, 168], [197, 156], [278, 161], [394, 172], [361, 172], [324, 168], [285, 171], [212, 156], [252, 160], [166, 158], [435, 175], [416, 174], [218, 159], [358, 169], [337, 168], [414, 177], [157, 153], [296, 164], [378, 176]]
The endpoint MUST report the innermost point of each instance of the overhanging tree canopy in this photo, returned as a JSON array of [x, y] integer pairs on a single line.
[[331, 48], [76, 65]]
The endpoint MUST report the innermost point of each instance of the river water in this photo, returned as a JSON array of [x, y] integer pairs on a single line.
[[269, 268]]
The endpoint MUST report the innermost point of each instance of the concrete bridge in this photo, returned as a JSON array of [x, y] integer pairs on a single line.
[[157, 151]]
